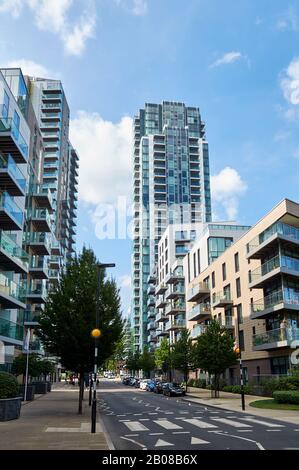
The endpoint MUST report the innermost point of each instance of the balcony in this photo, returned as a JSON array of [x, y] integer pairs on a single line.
[[161, 302], [54, 275], [151, 312], [273, 267], [40, 219], [39, 242], [201, 289], [263, 242], [151, 301], [150, 289], [37, 292], [161, 317], [50, 175], [152, 338], [31, 318], [12, 294], [12, 142], [199, 311], [11, 177], [160, 289], [11, 216], [228, 322], [12, 256], [222, 299], [50, 117], [175, 308], [274, 302], [197, 330], [151, 325], [174, 277], [175, 324], [55, 262], [11, 332], [162, 333], [38, 267], [36, 347], [151, 279], [274, 339]]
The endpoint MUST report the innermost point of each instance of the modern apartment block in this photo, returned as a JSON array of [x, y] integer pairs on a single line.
[[184, 250], [253, 288], [31, 256], [171, 185]]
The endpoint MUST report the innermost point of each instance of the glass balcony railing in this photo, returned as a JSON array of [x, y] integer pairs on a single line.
[[8, 125], [12, 289], [9, 246], [31, 316], [196, 331], [11, 330], [38, 238], [8, 163], [39, 262], [35, 345], [178, 323], [51, 174], [8, 204], [221, 298], [37, 289], [41, 189], [274, 263], [288, 334], [52, 96], [287, 296], [278, 228], [50, 115], [42, 214], [200, 288], [55, 259], [54, 273], [200, 309], [50, 165]]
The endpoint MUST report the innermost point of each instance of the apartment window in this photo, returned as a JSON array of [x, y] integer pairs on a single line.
[[5, 106], [253, 330], [249, 275], [194, 264], [240, 314], [166, 242], [224, 271], [237, 265], [213, 279], [188, 262], [241, 340], [226, 291], [238, 287], [198, 261], [166, 268]]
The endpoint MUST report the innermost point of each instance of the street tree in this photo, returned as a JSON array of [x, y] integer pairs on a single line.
[[163, 356], [147, 361], [182, 355], [133, 361], [214, 352], [34, 365], [70, 316]]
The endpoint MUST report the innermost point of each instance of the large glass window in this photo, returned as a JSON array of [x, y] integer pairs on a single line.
[[217, 245], [5, 106]]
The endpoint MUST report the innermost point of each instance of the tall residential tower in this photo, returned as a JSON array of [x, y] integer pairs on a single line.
[[171, 186]]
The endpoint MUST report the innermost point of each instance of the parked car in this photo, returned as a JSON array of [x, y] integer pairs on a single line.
[[137, 383], [111, 376], [150, 385], [158, 387], [132, 381], [173, 389], [126, 380], [143, 384]]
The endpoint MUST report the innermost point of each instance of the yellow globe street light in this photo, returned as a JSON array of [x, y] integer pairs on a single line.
[[96, 333]]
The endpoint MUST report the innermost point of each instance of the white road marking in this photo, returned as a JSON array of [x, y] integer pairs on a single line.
[[169, 412], [157, 409], [263, 423], [245, 430], [156, 434], [120, 415], [258, 444], [135, 442], [230, 422], [167, 424], [185, 412], [181, 432], [198, 423], [273, 430], [135, 426], [137, 414], [161, 443], [196, 440], [131, 435], [151, 414], [144, 419]]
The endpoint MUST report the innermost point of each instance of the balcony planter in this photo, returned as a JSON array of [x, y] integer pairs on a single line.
[[10, 408], [41, 388], [30, 392]]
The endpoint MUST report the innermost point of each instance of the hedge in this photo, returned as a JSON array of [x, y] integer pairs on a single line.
[[287, 396], [237, 389], [9, 387]]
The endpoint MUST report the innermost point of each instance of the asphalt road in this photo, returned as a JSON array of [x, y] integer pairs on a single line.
[[139, 420]]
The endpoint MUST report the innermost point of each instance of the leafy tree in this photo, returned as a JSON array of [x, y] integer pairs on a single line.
[[70, 316], [133, 361], [116, 361], [34, 365], [47, 367], [163, 356], [147, 361], [182, 355], [214, 352]]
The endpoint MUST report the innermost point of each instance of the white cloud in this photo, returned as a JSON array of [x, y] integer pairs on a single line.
[[227, 187], [54, 16], [30, 68], [125, 281], [105, 150], [288, 21], [290, 82], [228, 58], [139, 7]]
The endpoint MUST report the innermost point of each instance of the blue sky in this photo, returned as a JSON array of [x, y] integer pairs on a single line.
[[237, 60]]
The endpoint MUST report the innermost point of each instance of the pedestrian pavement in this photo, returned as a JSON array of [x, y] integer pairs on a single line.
[[52, 422], [232, 402]]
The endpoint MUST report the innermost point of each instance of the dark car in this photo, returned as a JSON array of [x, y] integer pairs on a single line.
[[132, 381], [158, 387], [126, 380], [173, 389], [137, 383]]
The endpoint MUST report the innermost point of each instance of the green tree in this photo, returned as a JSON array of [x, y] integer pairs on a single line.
[[214, 352], [70, 316], [163, 356], [34, 365], [133, 361], [47, 367], [147, 361], [182, 355]]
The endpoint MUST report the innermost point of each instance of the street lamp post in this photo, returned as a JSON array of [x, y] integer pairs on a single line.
[[240, 361], [96, 333]]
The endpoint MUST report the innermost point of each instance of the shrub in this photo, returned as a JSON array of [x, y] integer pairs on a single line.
[[9, 387], [287, 396], [228, 388], [291, 382], [237, 389], [191, 382], [200, 383]]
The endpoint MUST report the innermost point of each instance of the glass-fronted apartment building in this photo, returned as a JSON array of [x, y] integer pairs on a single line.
[[31, 255], [171, 185], [252, 288]]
